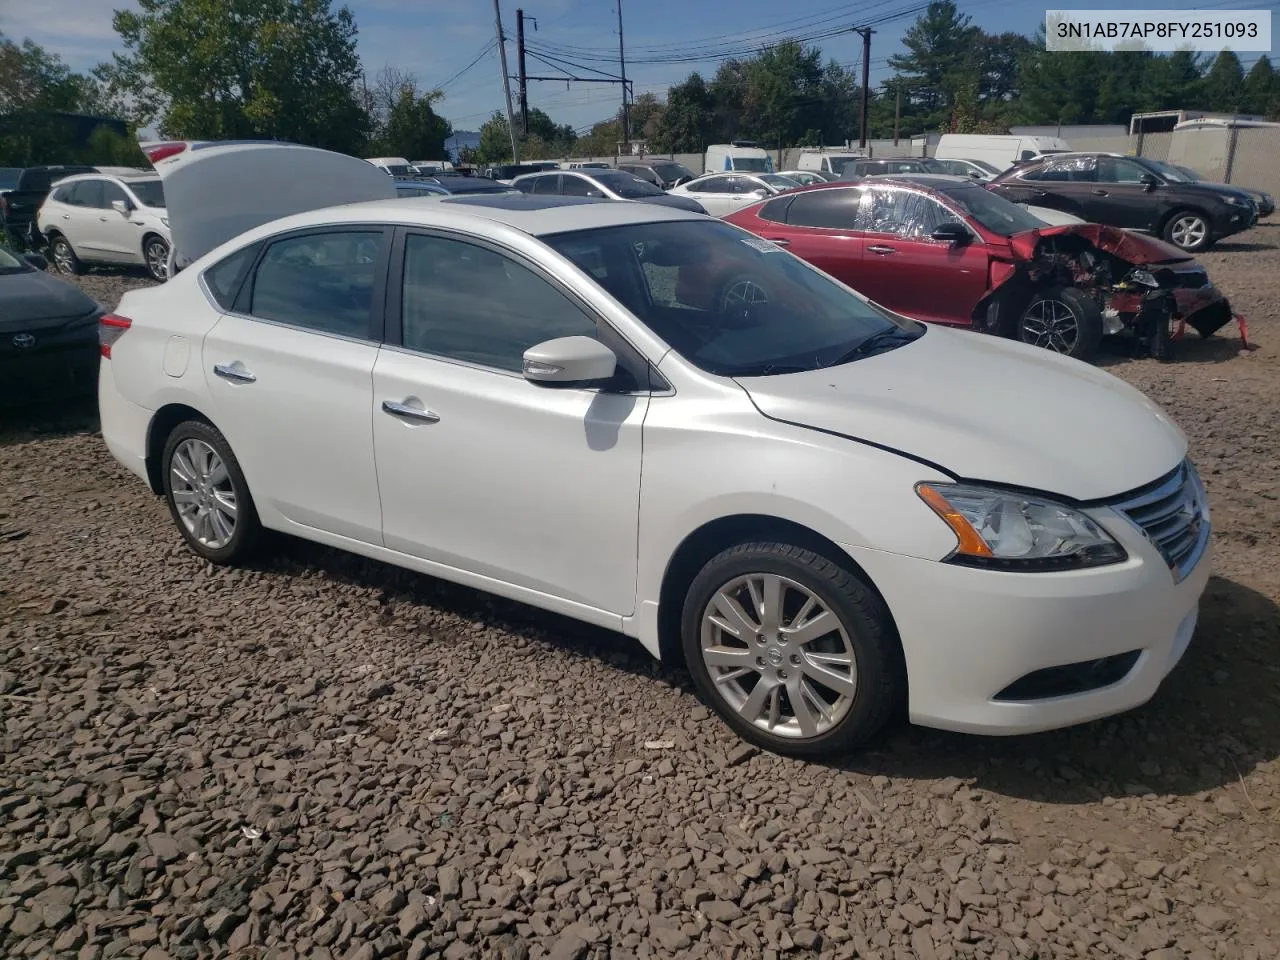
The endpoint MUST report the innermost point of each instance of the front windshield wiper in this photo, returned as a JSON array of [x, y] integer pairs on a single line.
[[773, 369], [881, 341]]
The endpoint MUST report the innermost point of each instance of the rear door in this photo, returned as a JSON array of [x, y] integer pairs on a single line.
[[290, 370], [715, 194], [821, 228], [80, 220], [906, 270]]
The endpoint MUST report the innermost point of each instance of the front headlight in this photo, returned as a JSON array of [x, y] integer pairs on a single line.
[[1143, 277], [1238, 201], [165, 221], [1013, 531]]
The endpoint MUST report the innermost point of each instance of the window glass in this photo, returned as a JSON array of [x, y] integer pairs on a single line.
[[150, 193], [775, 210], [548, 184], [831, 209], [224, 278], [903, 213], [527, 186], [87, 193], [320, 281], [63, 194], [1071, 169], [572, 186], [626, 185], [111, 192], [468, 303], [714, 185], [1118, 170]]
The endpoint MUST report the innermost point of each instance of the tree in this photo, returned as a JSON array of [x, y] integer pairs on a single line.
[[940, 57], [225, 69], [1262, 88], [1172, 82], [495, 140], [646, 115], [414, 130], [1223, 87], [689, 113]]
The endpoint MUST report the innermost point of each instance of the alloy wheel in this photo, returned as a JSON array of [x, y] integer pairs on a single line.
[[63, 258], [1188, 231], [158, 260], [778, 655], [203, 493], [1051, 324]]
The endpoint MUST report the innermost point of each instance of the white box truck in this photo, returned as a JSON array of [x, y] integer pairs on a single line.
[[739, 155], [827, 161], [999, 151]]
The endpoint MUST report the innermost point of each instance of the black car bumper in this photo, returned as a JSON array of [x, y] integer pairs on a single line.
[[1235, 220], [45, 365]]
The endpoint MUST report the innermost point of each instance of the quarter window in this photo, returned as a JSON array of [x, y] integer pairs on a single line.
[[223, 279], [319, 281], [466, 302]]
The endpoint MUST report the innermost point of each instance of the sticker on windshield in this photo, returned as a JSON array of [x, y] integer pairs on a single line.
[[764, 246]]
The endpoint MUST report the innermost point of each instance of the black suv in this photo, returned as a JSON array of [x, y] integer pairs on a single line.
[[1131, 192], [661, 173]]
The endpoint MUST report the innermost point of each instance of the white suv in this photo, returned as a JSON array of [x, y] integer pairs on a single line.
[[96, 218]]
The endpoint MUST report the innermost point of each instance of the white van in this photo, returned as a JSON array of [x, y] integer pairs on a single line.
[[393, 166], [823, 161], [739, 155], [999, 151]]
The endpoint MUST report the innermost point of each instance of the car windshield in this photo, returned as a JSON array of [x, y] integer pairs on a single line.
[[752, 164], [626, 184], [672, 171], [10, 262], [778, 181], [1174, 173], [150, 193], [995, 213], [989, 167], [729, 302], [9, 177], [399, 170]]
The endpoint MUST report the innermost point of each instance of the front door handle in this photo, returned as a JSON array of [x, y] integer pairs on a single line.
[[397, 409], [780, 241], [881, 249], [1099, 193], [235, 372]]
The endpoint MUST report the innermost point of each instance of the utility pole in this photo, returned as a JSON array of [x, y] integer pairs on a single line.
[[866, 79], [524, 84], [897, 113], [622, 72], [506, 81]]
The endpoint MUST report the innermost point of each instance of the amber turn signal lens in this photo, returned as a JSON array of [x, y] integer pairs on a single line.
[[971, 544]]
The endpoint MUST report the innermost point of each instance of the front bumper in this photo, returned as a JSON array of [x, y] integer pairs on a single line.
[[968, 634], [42, 375]]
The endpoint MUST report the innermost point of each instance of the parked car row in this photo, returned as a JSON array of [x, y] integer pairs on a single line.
[[813, 463]]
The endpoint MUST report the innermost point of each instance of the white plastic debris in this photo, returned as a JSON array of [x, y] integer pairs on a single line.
[[659, 744], [251, 833]]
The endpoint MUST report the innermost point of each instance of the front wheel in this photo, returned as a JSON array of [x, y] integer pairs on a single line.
[[795, 652], [156, 253], [1189, 231], [207, 494], [1064, 320]]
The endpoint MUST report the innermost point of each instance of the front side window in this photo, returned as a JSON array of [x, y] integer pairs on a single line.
[[466, 302], [902, 213], [111, 192], [319, 281], [1117, 170], [575, 186], [729, 302], [627, 185], [150, 193]]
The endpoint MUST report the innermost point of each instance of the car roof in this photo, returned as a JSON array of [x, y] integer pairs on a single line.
[[97, 175]]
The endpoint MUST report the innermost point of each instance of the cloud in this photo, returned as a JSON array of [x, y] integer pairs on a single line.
[[79, 31]]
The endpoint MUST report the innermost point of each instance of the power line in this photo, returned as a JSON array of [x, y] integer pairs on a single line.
[[484, 51]]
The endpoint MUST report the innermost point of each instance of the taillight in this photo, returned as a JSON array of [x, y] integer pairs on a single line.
[[158, 151], [111, 327]]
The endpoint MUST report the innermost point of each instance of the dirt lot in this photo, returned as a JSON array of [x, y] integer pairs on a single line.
[[327, 757]]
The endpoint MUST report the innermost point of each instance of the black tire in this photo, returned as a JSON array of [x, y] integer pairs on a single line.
[[63, 257], [247, 531], [876, 653], [155, 254], [1036, 328], [1176, 229], [1162, 344]]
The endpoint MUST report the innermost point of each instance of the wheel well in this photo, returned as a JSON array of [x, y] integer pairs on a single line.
[[719, 535], [162, 425], [147, 237]]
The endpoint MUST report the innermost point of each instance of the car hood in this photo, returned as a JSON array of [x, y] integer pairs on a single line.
[[987, 409], [1217, 190], [215, 191], [1135, 248], [679, 202], [31, 299]]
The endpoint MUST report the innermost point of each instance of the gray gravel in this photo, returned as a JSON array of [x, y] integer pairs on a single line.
[[325, 757]]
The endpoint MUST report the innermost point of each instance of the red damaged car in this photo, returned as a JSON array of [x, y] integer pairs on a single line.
[[949, 251]]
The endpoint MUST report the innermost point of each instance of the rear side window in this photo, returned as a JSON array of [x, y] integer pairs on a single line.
[[319, 281], [88, 193], [547, 184], [829, 209], [62, 194], [224, 278]]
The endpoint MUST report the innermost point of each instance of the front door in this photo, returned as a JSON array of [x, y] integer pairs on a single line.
[[290, 372], [480, 469], [1120, 198], [908, 271]]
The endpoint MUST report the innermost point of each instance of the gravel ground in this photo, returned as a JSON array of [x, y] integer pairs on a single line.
[[327, 757]]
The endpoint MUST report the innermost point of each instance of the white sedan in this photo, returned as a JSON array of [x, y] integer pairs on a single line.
[[724, 193], [822, 508]]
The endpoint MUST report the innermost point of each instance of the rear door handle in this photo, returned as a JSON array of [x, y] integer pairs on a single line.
[[397, 409], [881, 249], [780, 241], [235, 372]]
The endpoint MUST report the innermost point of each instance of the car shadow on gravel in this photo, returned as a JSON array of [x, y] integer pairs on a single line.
[[1213, 721], [1192, 348]]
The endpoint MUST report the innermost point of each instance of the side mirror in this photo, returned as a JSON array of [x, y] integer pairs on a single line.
[[1149, 181], [951, 232], [121, 207], [36, 260], [567, 361]]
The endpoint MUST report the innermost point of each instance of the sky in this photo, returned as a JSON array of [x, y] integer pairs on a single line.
[[450, 45]]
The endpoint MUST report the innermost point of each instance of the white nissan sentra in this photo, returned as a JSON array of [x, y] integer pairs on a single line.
[[653, 421]]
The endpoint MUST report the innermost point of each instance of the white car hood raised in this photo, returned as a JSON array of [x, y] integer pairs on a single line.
[[987, 409], [216, 191]]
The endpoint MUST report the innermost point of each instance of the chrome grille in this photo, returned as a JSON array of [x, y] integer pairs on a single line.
[[1174, 516]]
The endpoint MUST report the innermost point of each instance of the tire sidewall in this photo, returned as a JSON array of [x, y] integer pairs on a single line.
[[73, 262], [247, 527], [146, 256], [877, 656], [1088, 320], [1180, 215]]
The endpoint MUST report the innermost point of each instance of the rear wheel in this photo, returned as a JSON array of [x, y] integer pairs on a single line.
[[1064, 320], [794, 651], [64, 258], [208, 497]]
